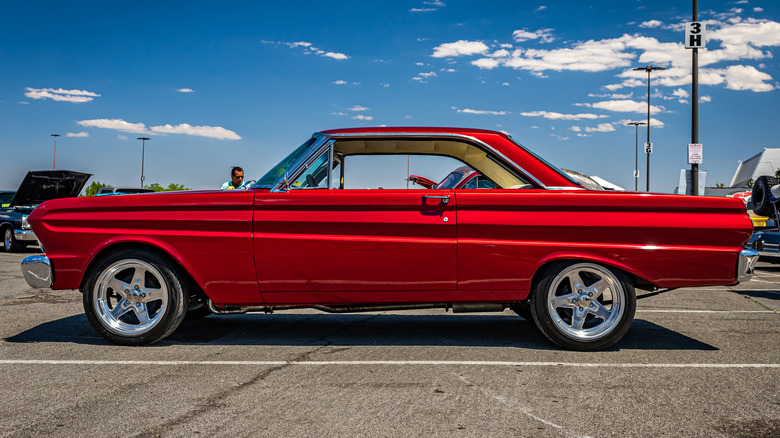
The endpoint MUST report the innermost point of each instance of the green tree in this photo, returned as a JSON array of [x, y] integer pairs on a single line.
[[172, 187], [93, 188], [750, 183], [720, 185]]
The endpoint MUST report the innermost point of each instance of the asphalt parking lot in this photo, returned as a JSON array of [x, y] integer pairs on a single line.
[[696, 362]]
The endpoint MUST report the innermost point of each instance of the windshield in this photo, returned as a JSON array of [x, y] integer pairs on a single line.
[[277, 171]]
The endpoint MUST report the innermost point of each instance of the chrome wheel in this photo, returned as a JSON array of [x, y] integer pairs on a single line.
[[8, 239], [585, 301], [130, 297]]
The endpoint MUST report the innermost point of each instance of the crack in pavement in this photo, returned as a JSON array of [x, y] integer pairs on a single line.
[[215, 401]]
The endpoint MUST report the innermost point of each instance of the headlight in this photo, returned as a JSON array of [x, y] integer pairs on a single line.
[[25, 225]]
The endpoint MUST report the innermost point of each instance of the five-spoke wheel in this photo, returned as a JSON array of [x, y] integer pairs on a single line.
[[134, 298], [583, 306]]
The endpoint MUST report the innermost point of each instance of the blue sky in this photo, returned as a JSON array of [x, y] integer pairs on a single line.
[[215, 84]]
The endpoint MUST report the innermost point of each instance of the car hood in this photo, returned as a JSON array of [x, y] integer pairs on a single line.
[[42, 185]]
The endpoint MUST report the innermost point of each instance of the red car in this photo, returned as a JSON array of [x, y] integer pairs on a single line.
[[311, 234]]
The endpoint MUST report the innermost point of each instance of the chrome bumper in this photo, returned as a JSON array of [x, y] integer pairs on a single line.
[[747, 262], [25, 235], [37, 271]]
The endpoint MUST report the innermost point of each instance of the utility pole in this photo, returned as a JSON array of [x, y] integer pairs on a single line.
[[636, 152], [143, 149], [648, 146], [54, 163], [695, 103]]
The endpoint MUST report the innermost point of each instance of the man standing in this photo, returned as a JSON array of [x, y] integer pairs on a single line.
[[236, 180]]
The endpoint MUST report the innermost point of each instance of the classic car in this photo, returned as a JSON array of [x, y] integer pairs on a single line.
[[331, 228], [36, 187]]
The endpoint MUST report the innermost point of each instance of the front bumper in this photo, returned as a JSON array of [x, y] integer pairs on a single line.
[[747, 263], [37, 271], [25, 235]]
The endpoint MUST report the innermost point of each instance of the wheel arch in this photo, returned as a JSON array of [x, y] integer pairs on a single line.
[[637, 279], [163, 251]]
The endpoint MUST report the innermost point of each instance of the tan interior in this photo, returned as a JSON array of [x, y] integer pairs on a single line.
[[465, 152]]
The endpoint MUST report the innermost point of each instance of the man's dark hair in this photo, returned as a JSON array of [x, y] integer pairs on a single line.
[[234, 169]]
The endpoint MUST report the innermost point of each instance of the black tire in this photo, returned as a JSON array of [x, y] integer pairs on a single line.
[[197, 309], [760, 198], [10, 244], [583, 306], [135, 297]]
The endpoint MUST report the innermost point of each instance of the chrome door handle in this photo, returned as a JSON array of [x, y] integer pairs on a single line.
[[445, 199]]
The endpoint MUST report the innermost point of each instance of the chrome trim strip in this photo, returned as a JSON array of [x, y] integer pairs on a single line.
[[446, 135], [746, 264], [26, 235], [37, 271]]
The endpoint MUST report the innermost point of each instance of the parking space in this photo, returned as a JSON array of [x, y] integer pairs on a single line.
[[698, 361]]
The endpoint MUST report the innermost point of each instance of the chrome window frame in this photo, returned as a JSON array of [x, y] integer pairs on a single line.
[[327, 140]]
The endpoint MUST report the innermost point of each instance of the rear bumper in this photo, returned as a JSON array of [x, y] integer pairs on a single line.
[[37, 271], [25, 235], [746, 264]]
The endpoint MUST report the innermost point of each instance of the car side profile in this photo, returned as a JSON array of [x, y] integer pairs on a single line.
[[332, 227]]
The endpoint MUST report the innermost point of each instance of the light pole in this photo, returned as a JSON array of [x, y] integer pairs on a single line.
[[636, 152], [54, 164], [143, 149], [648, 69]]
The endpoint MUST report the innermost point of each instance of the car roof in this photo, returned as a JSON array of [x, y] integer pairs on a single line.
[[410, 130]]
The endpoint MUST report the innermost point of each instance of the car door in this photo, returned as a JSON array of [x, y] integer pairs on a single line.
[[340, 246]]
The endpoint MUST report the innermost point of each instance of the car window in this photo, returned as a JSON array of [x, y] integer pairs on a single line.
[[388, 171], [479, 182], [315, 176]]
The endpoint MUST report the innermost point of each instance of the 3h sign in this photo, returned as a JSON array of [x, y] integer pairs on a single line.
[[694, 35]]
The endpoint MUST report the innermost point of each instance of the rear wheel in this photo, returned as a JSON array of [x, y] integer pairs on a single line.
[[583, 306], [135, 297]]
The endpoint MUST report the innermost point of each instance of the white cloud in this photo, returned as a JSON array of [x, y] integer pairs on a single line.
[[116, 124], [60, 95], [309, 49], [705, 99], [140, 128], [746, 77], [486, 63], [122, 137], [458, 48], [217, 132], [591, 56], [429, 6], [340, 82], [358, 108], [651, 24], [427, 75], [506, 84], [602, 127], [559, 116], [680, 93], [757, 9], [625, 106], [362, 117], [543, 35], [481, 112], [185, 90], [540, 8], [77, 135]]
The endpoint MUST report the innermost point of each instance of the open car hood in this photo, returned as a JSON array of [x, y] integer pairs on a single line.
[[42, 185]]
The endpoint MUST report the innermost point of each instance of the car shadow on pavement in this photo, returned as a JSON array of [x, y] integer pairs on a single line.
[[758, 293], [363, 329]]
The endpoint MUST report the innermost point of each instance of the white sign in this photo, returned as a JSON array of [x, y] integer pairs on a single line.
[[694, 35], [636, 173], [648, 148], [695, 153]]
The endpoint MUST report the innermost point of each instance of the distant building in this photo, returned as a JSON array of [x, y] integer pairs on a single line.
[[764, 163]]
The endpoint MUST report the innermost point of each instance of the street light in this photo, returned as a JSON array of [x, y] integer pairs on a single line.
[[54, 164], [636, 152], [648, 69], [143, 149]]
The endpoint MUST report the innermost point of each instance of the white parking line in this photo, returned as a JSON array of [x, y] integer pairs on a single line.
[[701, 311], [382, 362]]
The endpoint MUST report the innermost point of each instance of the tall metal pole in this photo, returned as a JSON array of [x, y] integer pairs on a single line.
[[54, 163], [649, 70], [695, 106], [143, 149], [636, 153]]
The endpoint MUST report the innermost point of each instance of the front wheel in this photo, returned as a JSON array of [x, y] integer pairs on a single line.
[[583, 306], [10, 244], [135, 297]]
